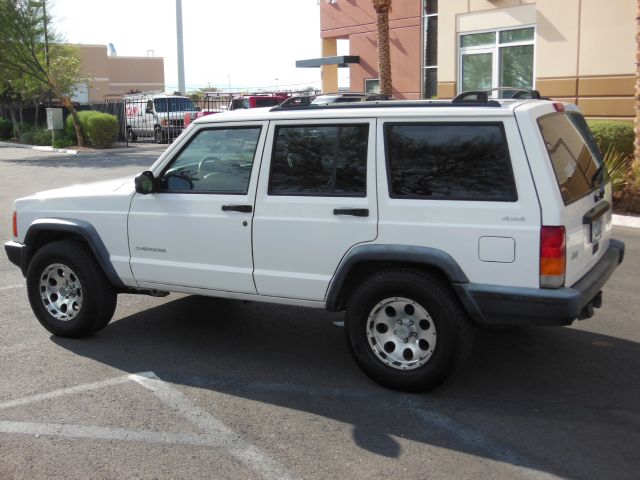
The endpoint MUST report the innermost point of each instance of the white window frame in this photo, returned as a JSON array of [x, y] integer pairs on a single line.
[[495, 50]]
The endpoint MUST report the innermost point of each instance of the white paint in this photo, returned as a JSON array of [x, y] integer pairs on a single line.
[[626, 221], [107, 433], [10, 287], [480, 444], [63, 391], [231, 441]]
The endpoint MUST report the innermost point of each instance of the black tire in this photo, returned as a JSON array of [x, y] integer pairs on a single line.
[[131, 135], [449, 350], [98, 298], [157, 135]]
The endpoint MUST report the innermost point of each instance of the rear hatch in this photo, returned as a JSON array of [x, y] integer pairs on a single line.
[[582, 198]]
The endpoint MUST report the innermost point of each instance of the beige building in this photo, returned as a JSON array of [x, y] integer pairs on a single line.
[[111, 76], [582, 51]]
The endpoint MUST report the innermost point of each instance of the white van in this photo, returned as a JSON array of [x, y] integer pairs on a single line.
[[156, 115]]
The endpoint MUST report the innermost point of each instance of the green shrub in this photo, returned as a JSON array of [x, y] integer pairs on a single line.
[[31, 135], [63, 143], [100, 129], [6, 129], [613, 134]]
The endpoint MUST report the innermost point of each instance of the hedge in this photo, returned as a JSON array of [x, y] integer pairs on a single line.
[[6, 129], [100, 129], [613, 134]]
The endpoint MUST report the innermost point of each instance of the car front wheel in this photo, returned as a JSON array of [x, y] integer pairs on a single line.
[[68, 291]]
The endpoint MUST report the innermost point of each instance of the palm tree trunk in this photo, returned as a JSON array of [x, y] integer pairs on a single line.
[[382, 8], [637, 123]]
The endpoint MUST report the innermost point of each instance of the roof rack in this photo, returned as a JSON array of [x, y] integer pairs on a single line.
[[387, 104], [473, 96]]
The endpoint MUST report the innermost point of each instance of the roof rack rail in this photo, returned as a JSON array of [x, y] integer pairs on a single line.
[[386, 104], [483, 95]]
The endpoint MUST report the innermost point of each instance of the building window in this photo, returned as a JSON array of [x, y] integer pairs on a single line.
[[372, 85], [497, 58], [430, 48]]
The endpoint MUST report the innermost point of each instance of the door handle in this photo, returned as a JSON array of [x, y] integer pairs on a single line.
[[237, 208], [355, 212]]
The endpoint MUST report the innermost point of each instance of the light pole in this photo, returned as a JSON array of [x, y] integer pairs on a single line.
[[181, 85]]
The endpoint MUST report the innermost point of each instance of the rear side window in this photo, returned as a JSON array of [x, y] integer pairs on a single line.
[[575, 158], [321, 160], [448, 161]]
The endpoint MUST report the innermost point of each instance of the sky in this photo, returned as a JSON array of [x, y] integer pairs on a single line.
[[243, 43]]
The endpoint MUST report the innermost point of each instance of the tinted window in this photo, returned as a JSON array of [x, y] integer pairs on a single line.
[[320, 160], [217, 161], [449, 161], [174, 105], [573, 153]]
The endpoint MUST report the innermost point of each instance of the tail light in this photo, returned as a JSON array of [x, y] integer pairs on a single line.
[[15, 224], [552, 257]]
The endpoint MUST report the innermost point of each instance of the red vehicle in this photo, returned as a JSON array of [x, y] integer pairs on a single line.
[[257, 101]]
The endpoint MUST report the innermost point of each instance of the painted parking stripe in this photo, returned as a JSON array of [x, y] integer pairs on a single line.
[[107, 433], [63, 391], [482, 444], [241, 449]]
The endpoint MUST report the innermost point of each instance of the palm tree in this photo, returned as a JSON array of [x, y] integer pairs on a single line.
[[637, 126], [382, 8]]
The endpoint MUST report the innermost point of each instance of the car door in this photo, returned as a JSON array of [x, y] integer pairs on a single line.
[[195, 230], [316, 199]]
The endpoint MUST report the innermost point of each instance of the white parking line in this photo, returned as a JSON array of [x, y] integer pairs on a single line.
[[232, 442], [214, 433], [481, 444], [63, 391], [106, 433]]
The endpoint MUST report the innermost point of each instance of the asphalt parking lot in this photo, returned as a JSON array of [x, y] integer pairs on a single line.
[[190, 387]]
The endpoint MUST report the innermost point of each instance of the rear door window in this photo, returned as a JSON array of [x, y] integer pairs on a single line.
[[449, 161], [573, 153]]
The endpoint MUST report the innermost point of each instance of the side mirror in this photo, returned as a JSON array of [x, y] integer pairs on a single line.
[[145, 183]]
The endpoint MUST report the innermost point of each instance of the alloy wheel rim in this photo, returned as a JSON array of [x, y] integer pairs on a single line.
[[401, 333], [61, 292]]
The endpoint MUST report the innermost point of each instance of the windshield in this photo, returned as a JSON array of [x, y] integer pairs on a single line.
[[576, 160], [175, 104]]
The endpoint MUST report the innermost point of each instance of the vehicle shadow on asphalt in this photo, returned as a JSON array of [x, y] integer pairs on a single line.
[[556, 400]]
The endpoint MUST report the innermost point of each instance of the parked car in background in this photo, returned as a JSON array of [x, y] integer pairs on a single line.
[[257, 101], [156, 115], [347, 97]]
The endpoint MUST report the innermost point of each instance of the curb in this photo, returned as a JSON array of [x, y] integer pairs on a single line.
[[40, 148], [625, 221]]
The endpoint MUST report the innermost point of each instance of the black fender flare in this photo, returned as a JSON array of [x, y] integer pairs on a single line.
[[422, 256], [77, 227]]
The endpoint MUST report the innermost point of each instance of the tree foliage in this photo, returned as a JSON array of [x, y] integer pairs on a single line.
[[26, 72]]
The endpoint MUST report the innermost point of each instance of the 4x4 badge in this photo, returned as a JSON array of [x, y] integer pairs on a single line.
[[513, 219]]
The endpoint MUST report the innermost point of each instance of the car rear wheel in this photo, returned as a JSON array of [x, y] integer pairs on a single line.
[[406, 329], [68, 291]]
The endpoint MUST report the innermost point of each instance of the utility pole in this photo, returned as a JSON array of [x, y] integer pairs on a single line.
[[181, 85], [46, 42]]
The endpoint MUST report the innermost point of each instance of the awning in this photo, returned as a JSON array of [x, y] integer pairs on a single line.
[[341, 61]]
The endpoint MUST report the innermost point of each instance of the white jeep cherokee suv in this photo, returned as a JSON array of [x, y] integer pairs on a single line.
[[420, 219]]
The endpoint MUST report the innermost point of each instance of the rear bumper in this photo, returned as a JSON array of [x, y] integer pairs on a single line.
[[511, 306]]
